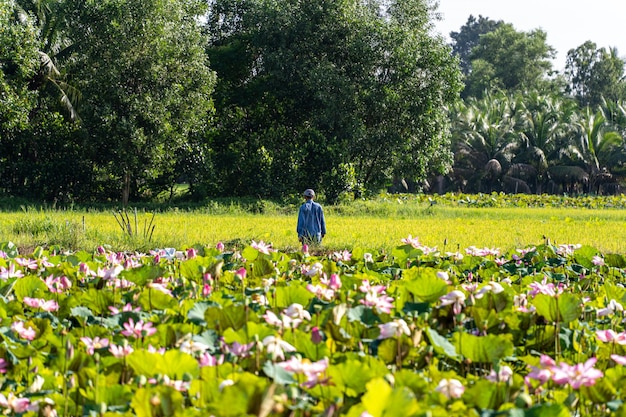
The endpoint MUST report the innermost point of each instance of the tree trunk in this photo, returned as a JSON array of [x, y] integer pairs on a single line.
[[126, 188]]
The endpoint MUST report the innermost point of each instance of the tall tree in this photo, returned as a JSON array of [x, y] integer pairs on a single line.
[[328, 93], [593, 73], [509, 60], [146, 86], [468, 37], [485, 141], [19, 61], [51, 19]]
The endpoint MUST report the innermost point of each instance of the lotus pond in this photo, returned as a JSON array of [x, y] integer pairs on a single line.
[[536, 331]]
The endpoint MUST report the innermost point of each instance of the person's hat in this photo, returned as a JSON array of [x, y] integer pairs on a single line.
[[309, 193]]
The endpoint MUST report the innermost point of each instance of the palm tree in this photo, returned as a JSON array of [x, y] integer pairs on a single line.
[[485, 141], [546, 125], [599, 147], [50, 16]]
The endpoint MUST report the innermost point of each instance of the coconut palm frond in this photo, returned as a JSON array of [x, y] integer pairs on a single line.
[[568, 173]]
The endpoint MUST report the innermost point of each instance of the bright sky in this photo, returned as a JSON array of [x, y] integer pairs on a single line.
[[568, 23]]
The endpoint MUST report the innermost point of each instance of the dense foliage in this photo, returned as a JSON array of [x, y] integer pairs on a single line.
[[211, 331], [119, 101]]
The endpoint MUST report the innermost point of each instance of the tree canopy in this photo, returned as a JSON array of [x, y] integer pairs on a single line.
[[335, 94], [122, 100]]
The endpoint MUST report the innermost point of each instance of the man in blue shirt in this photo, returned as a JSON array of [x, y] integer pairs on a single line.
[[311, 223]]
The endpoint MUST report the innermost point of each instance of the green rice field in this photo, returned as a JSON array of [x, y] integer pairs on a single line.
[[376, 226]]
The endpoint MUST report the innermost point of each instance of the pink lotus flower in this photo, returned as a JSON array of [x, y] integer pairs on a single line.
[[609, 336], [4, 365], [545, 288], [393, 329], [127, 307], [284, 322], [333, 283], [504, 375], [492, 287], [27, 263], [277, 347], [205, 359], [14, 404], [191, 253], [220, 246], [58, 284], [597, 260], [320, 292], [139, 329], [376, 297], [95, 343], [238, 349], [316, 269], [343, 256], [45, 305], [316, 335], [582, 374], [610, 309], [455, 298], [413, 241], [120, 351], [566, 250], [241, 273], [297, 311], [451, 388], [23, 332], [544, 372], [10, 272], [262, 247], [313, 371], [621, 360]]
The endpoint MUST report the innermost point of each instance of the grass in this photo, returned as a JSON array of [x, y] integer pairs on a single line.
[[369, 225]]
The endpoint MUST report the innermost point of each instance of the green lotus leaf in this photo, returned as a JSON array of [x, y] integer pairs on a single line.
[[236, 400], [278, 374], [483, 349], [615, 260], [196, 313], [565, 308], [247, 333], [548, 410], [205, 390], [485, 395], [441, 345], [10, 249], [160, 400], [292, 294], [173, 363], [599, 393], [388, 350], [142, 275], [352, 375], [415, 382], [30, 286], [584, 255], [194, 269], [224, 317], [304, 345], [362, 314], [249, 253], [98, 301], [261, 268], [424, 284], [382, 400], [153, 299]]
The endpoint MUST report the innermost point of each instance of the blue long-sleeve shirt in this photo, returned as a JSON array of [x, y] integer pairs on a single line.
[[311, 221]]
